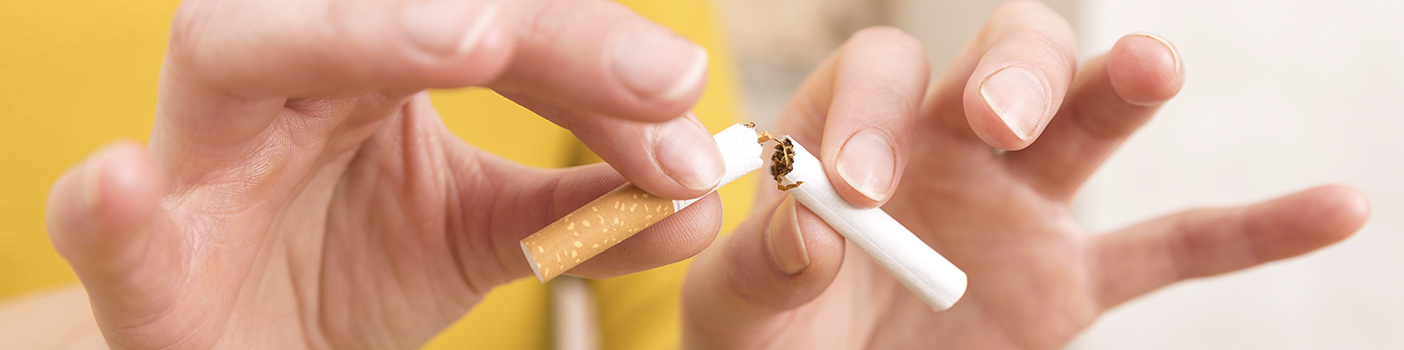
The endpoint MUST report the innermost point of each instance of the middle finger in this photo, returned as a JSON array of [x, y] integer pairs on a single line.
[[1006, 85]]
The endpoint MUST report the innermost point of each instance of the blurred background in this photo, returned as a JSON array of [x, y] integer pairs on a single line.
[[1280, 95]]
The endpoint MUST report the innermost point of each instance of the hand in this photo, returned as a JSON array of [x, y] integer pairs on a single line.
[[784, 279], [299, 190]]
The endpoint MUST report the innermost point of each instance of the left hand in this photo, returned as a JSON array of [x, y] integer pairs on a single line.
[[300, 191], [1036, 277]]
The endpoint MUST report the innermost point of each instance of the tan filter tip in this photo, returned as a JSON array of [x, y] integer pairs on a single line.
[[591, 229]]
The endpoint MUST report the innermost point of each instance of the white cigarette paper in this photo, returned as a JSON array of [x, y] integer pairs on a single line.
[[619, 214], [926, 273], [741, 155]]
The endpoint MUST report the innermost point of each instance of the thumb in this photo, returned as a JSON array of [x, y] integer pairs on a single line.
[[102, 217], [737, 293]]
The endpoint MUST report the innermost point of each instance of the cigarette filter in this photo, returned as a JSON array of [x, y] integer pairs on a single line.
[[626, 210], [926, 273]]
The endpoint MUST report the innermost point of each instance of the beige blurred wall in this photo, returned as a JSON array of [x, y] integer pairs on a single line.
[[1280, 95], [779, 41]]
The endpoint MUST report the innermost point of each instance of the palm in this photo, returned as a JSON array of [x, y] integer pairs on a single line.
[[1025, 257], [373, 227], [298, 248], [1023, 252], [354, 223]]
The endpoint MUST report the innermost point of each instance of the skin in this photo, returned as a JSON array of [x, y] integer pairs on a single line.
[[299, 191], [1036, 277]]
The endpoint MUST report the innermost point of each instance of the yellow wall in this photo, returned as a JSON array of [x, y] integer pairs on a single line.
[[74, 75]]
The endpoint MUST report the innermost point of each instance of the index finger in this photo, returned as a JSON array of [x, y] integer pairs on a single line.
[[234, 68]]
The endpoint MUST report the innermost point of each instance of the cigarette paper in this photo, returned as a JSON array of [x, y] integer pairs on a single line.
[[626, 210], [926, 273]]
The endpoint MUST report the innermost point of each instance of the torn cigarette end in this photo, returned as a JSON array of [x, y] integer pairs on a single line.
[[782, 162], [592, 229], [891, 245]]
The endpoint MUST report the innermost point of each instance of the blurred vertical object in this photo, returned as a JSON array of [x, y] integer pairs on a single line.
[[575, 319]]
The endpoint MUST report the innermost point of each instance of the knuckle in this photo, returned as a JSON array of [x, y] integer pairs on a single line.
[[553, 20], [1032, 16], [1053, 53], [187, 27], [891, 42], [888, 35], [540, 24], [880, 32], [1023, 7]]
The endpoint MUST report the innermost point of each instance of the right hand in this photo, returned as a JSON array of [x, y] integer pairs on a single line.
[[299, 191], [971, 181]]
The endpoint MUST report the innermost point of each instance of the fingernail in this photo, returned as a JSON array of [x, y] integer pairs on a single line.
[[867, 163], [1018, 96], [656, 63], [1174, 54], [784, 241], [687, 153], [451, 27]]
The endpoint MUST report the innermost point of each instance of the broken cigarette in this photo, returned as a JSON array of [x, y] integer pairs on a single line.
[[626, 210], [926, 273]]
